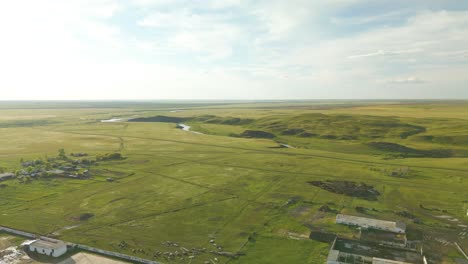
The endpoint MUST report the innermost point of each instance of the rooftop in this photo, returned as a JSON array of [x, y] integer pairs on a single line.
[[383, 236], [7, 175], [378, 253], [369, 222], [48, 244], [55, 171]]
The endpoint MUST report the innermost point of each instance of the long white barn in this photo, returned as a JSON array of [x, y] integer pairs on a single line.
[[369, 223]]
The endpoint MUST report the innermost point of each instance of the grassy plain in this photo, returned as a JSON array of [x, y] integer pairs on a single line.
[[245, 193]]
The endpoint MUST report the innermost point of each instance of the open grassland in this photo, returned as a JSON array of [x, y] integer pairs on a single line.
[[246, 194]]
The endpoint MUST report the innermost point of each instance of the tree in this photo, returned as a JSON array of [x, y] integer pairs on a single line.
[[62, 154], [30, 170]]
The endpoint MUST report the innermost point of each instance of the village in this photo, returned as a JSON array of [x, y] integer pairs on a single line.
[[72, 166]]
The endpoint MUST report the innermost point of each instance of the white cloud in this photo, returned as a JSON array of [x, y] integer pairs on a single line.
[[83, 49], [209, 36], [385, 53], [387, 50], [404, 80], [360, 20]]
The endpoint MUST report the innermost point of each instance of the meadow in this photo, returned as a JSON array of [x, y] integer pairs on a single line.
[[234, 192]]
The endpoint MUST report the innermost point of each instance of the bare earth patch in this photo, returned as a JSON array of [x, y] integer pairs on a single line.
[[85, 258]]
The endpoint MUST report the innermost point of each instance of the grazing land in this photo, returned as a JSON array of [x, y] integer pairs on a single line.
[[249, 188]]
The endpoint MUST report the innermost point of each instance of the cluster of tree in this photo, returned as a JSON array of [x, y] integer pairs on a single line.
[[74, 166]]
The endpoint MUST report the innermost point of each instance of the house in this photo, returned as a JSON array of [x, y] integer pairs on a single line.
[[369, 223], [6, 176], [56, 173], [48, 246], [68, 168], [346, 251], [80, 154]]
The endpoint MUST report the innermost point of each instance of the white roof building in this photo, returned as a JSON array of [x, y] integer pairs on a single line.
[[6, 176], [47, 246], [369, 223]]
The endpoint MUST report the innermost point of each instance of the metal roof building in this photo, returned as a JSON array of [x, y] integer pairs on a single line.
[[369, 223], [345, 251]]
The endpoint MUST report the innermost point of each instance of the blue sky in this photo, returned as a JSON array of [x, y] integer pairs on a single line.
[[233, 49]]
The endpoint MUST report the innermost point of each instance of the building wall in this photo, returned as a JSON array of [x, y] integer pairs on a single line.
[[55, 253]]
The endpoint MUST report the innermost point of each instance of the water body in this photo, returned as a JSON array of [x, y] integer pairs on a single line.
[[187, 128], [112, 120]]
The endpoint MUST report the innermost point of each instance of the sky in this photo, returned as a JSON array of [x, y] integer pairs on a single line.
[[233, 49]]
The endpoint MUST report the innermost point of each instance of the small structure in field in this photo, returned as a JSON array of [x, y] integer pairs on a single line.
[[369, 223], [79, 154], [6, 176], [47, 246], [56, 173]]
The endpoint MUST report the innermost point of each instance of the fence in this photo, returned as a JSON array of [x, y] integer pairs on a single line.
[[17, 232], [83, 247]]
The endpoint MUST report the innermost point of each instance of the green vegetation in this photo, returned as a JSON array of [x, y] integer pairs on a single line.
[[24, 123], [403, 151], [155, 189]]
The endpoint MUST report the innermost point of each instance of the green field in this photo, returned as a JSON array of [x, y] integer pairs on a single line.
[[239, 189]]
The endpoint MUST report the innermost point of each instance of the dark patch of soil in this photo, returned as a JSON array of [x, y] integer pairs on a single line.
[[109, 156], [82, 217], [256, 134], [406, 214], [326, 209], [409, 215], [361, 209], [307, 134], [347, 137], [322, 236], [348, 188], [329, 136]]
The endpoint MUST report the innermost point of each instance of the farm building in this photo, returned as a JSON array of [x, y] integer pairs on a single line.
[[6, 176], [56, 172], [49, 247], [344, 251], [369, 223], [384, 237]]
